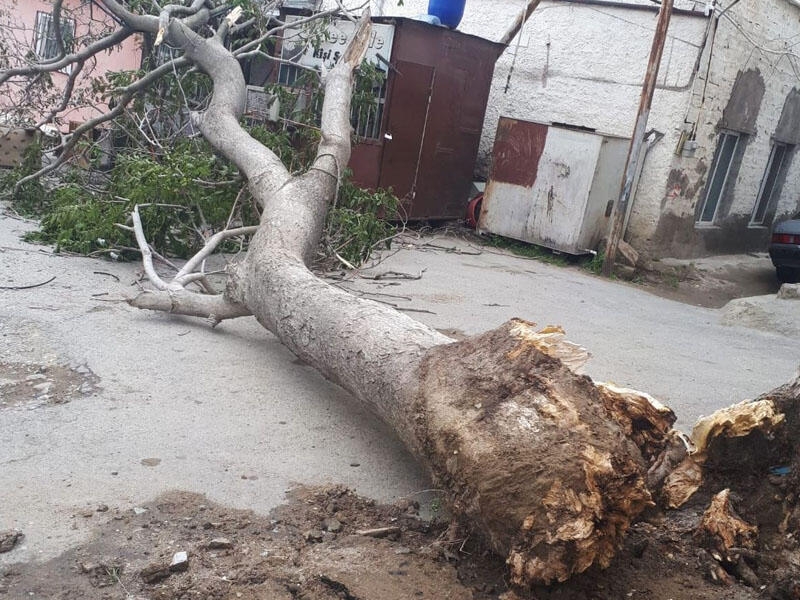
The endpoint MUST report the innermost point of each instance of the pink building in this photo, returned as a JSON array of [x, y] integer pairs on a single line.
[[28, 30]]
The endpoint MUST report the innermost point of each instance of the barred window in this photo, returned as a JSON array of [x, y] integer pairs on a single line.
[[44, 40]]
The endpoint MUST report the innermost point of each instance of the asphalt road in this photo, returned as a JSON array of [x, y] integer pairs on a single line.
[[230, 413]]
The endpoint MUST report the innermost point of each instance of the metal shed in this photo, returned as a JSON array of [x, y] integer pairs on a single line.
[[552, 185], [437, 90]]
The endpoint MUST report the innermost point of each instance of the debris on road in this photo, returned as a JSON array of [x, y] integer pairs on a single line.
[[180, 562], [9, 539], [220, 543]]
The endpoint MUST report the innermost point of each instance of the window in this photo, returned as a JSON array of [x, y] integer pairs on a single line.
[[44, 40], [720, 173], [771, 183], [367, 118]]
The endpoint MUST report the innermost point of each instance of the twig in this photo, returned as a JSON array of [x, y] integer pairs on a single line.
[[26, 287], [393, 275], [450, 249], [344, 261], [379, 532], [104, 273]]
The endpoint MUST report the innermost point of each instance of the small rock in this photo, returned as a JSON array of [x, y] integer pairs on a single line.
[[9, 539], [313, 536], [220, 543], [355, 464], [155, 572], [332, 525], [102, 508], [89, 567], [87, 514], [788, 291], [138, 510], [150, 462], [180, 562], [403, 550], [43, 387]]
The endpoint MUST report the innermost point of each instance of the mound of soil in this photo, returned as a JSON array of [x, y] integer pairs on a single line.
[[318, 546]]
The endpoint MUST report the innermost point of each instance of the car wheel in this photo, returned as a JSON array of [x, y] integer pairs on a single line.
[[786, 274]]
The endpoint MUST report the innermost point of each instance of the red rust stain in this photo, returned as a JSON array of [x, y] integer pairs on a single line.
[[518, 148]]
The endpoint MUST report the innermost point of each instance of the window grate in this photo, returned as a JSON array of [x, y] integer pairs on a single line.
[[45, 42]]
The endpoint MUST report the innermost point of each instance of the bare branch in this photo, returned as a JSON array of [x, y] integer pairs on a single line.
[[66, 96], [147, 254], [62, 50], [227, 23], [105, 43], [256, 43], [211, 245]]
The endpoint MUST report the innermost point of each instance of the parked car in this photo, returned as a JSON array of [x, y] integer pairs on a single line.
[[784, 249]]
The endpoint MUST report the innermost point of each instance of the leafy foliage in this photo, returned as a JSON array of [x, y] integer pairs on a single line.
[[30, 199], [185, 190], [357, 223]]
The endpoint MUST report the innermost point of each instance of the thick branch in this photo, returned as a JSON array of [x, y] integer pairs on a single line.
[[219, 124], [306, 219], [182, 302], [143, 23]]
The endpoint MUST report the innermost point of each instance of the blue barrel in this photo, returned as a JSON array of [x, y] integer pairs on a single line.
[[448, 11]]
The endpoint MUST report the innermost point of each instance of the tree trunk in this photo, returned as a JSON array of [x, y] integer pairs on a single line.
[[530, 456]]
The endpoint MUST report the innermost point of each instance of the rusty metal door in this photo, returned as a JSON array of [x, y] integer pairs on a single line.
[[405, 128]]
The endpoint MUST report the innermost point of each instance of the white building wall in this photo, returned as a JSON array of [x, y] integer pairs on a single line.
[[754, 34]]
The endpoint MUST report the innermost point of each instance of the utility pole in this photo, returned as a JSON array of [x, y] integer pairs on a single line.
[[621, 206], [523, 16]]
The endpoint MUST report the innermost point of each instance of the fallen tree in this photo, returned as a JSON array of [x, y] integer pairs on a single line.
[[548, 467]]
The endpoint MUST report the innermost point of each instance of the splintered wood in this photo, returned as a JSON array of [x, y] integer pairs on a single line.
[[527, 450]]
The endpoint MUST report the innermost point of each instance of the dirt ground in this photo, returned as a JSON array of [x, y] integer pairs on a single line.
[[710, 283], [314, 548]]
